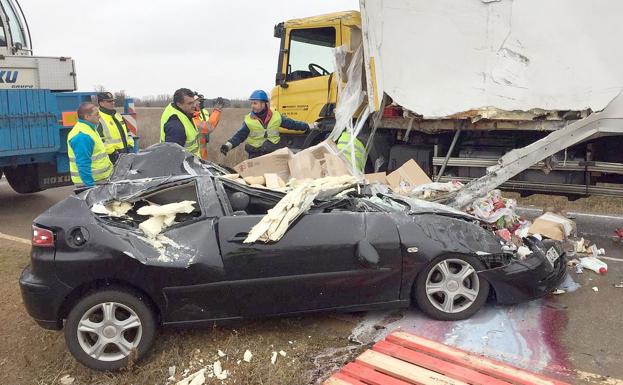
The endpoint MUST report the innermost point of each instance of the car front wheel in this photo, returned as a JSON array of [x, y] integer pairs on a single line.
[[106, 327], [450, 289]]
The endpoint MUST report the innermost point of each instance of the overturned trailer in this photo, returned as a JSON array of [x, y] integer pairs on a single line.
[[457, 84]]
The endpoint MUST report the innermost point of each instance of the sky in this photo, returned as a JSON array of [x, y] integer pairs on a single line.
[[151, 47]]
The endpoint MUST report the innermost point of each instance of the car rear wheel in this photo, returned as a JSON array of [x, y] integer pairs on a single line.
[[450, 289], [106, 327]]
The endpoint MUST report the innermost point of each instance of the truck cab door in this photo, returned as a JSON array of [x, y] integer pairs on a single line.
[[306, 71]]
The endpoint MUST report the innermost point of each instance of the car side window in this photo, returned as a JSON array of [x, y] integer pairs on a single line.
[[243, 201], [310, 53]]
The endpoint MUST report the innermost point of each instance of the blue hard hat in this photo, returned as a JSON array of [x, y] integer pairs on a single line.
[[259, 95]]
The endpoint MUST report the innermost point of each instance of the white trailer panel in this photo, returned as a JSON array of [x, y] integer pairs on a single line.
[[441, 57]]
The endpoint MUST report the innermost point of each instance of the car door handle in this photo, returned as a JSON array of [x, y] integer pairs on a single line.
[[240, 237]]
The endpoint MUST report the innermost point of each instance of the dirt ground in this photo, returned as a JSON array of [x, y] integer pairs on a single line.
[[32, 355]]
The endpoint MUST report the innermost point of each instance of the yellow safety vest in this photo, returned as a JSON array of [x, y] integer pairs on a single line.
[[192, 136], [360, 150], [111, 135], [258, 134], [101, 166]]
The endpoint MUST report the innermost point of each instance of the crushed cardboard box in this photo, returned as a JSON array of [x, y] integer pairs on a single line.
[[552, 226], [409, 174], [274, 163], [274, 170]]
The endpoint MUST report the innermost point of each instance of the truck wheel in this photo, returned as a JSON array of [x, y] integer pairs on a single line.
[[103, 329], [23, 179], [450, 289]]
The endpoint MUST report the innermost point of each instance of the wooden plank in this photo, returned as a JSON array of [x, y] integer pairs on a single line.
[[475, 362], [449, 369], [404, 370], [370, 376], [342, 379]]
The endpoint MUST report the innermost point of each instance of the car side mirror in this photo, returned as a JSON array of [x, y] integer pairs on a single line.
[[367, 254]]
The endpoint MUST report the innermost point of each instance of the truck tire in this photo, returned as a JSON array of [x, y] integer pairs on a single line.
[[23, 179]]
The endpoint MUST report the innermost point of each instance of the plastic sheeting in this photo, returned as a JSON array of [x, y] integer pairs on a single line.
[[441, 57], [350, 98]]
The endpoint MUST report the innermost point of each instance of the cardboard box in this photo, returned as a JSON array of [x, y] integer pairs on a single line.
[[274, 163], [335, 166], [552, 226], [409, 173], [305, 165], [377, 177]]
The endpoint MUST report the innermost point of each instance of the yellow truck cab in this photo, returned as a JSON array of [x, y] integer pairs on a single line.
[[306, 87]]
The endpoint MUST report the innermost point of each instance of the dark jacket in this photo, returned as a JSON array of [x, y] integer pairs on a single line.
[[286, 122], [174, 131]]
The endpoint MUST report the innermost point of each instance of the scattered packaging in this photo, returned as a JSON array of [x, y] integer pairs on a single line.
[[552, 226], [594, 264], [251, 180], [274, 163], [273, 181], [378, 177], [408, 175]]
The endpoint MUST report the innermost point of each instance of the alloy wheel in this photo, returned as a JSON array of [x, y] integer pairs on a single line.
[[452, 285]]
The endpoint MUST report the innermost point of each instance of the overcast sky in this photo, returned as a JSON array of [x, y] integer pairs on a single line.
[[149, 47]]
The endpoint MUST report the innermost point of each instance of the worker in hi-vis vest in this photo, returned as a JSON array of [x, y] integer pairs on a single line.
[[112, 127], [360, 151], [206, 122], [260, 129], [88, 160], [176, 122]]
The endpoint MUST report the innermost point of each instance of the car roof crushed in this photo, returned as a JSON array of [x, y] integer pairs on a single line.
[[168, 166]]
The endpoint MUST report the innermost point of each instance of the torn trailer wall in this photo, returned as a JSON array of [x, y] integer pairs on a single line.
[[442, 57]]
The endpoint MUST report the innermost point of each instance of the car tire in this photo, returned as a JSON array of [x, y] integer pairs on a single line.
[[23, 179], [433, 288], [87, 323]]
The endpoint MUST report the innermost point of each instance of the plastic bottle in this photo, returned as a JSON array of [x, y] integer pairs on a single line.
[[592, 263]]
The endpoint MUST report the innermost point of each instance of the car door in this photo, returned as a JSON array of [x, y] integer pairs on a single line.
[[314, 266]]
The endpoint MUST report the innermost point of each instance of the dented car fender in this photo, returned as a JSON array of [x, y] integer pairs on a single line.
[[425, 237]]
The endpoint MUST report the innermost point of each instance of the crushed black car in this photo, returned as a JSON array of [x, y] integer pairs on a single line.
[[96, 273]]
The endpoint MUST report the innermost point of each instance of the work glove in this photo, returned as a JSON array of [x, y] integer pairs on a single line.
[[225, 148], [219, 103], [314, 126]]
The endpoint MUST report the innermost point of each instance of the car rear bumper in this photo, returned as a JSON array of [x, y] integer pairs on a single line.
[[521, 281], [42, 300]]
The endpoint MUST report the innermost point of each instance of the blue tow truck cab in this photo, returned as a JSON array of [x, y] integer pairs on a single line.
[[34, 124]]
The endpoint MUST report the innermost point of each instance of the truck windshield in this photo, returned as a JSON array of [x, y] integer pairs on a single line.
[[15, 25], [2, 35], [311, 52]]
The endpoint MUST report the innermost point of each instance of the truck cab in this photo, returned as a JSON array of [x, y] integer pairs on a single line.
[[305, 84]]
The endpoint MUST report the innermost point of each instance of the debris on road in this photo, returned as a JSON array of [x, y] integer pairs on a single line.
[[247, 356], [553, 226], [594, 264], [66, 380], [595, 288], [618, 285], [218, 371], [558, 292], [221, 353], [197, 378], [273, 357]]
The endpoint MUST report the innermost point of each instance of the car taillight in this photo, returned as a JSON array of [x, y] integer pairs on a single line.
[[42, 237]]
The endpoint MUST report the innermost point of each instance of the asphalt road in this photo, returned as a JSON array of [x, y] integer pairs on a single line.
[[576, 335]]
